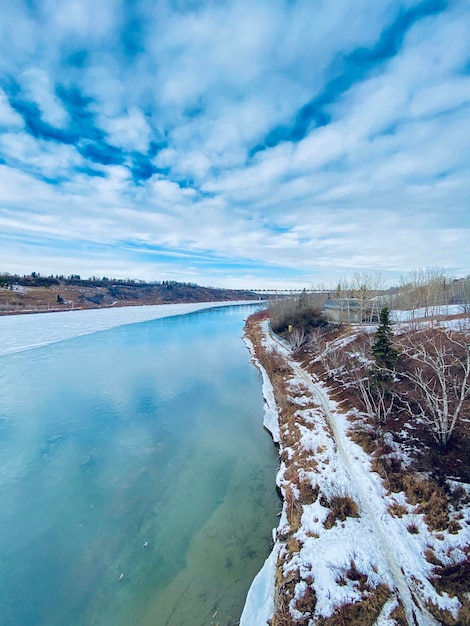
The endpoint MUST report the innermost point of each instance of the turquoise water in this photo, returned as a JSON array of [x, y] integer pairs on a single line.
[[136, 480]]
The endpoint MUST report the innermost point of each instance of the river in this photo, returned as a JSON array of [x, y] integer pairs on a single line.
[[136, 480]]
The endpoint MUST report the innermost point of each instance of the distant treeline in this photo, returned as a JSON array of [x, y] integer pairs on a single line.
[[35, 279], [94, 291]]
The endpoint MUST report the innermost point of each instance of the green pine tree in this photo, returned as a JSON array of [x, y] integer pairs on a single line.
[[383, 351]]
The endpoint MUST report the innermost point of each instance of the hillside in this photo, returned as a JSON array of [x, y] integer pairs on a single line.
[[375, 528], [34, 293]]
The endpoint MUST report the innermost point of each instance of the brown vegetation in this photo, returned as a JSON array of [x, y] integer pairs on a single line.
[[33, 294], [340, 507], [432, 409], [455, 579], [297, 491], [341, 356], [364, 612]]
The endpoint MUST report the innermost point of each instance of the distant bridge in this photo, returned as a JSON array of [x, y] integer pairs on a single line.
[[289, 292]]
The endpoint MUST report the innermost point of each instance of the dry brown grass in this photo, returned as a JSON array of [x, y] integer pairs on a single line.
[[308, 493], [294, 509], [340, 507], [446, 618], [413, 528], [306, 604], [297, 488], [35, 299], [426, 495], [431, 557], [458, 496], [284, 592], [305, 459], [454, 527], [275, 365], [399, 615], [453, 579], [364, 612], [397, 510], [293, 545], [430, 500], [353, 574], [364, 438]]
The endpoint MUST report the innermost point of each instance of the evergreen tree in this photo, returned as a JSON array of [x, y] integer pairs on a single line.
[[385, 355], [381, 377]]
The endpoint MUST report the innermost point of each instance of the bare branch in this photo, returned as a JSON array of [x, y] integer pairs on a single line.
[[438, 367]]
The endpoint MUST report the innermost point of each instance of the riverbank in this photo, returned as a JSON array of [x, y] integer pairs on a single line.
[[347, 548], [38, 294]]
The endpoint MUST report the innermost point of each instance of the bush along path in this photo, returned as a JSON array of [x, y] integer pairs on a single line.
[[344, 558]]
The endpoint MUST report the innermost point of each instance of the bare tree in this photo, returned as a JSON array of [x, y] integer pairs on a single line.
[[375, 392], [379, 399], [365, 287], [461, 294], [409, 296], [438, 368], [332, 361], [297, 338], [316, 341], [424, 289], [354, 367]]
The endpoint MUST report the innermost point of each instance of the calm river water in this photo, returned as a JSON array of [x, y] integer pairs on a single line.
[[136, 480]]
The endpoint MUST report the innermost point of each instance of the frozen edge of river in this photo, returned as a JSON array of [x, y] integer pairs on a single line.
[[34, 330], [259, 604]]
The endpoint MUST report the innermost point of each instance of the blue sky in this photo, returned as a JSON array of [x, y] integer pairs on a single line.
[[235, 143]]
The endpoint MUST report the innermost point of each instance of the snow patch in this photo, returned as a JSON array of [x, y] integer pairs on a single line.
[[271, 416], [259, 605]]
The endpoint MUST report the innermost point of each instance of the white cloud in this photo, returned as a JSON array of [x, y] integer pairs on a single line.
[[445, 95], [49, 160], [368, 190], [38, 87], [85, 19], [9, 117], [130, 131]]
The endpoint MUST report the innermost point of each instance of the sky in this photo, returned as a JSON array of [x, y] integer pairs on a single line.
[[237, 143]]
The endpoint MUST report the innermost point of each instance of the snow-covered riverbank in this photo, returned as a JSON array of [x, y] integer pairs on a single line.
[[23, 332], [369, 556]]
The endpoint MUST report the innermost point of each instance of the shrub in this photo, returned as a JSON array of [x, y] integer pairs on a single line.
[[365, 612], [300, 313], [364, 438], [308, 494], [341, 507]]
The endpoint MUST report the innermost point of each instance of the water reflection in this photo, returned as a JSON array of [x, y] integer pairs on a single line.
[[137, 484]]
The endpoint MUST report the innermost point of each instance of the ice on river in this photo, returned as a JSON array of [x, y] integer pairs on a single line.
[[23, 332]]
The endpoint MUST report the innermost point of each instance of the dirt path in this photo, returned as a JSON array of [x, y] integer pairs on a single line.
[[366, 491]]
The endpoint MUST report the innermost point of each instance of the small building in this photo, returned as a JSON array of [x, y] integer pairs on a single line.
[[349, 310]]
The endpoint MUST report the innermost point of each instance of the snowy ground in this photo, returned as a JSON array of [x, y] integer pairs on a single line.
[[23, 332], [380, 545], [433, 316], [431, 313]]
